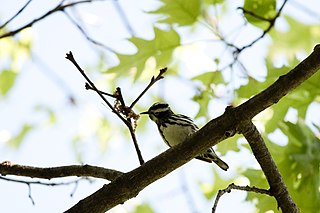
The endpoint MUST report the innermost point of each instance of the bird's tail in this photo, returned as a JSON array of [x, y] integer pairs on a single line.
[[210, 156]]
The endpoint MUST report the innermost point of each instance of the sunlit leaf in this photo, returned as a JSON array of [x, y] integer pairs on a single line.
[[179, 12], [298, 163], [261, 10], [301, 168], [208, 78], [229, 144], [290, 44], [203, 99], [16, 141], [298, 99], [214, 1], [160, 48], [7, 79]]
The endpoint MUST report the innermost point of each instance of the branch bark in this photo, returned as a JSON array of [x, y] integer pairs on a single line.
[[130, 184], [6, 168], [277, 186]]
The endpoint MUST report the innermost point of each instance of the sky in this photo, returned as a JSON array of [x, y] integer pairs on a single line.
[[50, 79]]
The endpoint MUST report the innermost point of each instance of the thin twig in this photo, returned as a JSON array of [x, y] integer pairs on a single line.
[[88, 87], [127, 122], [128, 113], [42, 183], [59, 7], [255, 15], [29, 183], [30, 194], [15, 15], [236, 51], [242, 188], [71, 58], [271, 24], [152, 81], [124, 17], [85, 34]]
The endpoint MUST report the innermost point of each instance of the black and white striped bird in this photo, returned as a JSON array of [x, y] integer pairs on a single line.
[[176, 128]]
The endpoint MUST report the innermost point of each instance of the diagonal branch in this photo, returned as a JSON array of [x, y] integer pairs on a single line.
[[59, 7], [15, 15], [74, 62], [152, 81], [131, 183], [6, 168], [277, 186], [264, 33]]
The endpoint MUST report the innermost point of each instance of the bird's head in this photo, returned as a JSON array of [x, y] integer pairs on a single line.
[[158, 111]]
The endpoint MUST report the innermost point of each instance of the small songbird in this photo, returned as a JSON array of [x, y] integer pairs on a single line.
[[176, 128]]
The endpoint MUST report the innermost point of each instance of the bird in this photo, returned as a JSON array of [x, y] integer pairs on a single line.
[[176, 128]]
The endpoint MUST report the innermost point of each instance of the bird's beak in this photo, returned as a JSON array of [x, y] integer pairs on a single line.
[[144, 113]]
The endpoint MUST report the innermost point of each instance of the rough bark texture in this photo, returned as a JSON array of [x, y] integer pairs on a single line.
[[278, 188], [6, 168]]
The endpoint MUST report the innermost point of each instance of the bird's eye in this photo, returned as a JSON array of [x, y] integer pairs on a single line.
[[156, 113]]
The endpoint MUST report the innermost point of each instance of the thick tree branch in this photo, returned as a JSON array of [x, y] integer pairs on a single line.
[[130, 184], [277, 186], [6, 168]]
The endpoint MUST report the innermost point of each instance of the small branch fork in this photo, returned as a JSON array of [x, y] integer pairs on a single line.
[[278, 189], [236, 187], [237, 50], [124, 113], [277, 186]]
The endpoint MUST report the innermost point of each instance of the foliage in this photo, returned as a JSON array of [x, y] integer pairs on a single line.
[[262, 10], [160, 49], [179, 12], [179, 21]]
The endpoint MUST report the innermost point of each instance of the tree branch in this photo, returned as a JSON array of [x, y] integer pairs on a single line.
[[6, 168], [59, 7], [242, 188], [15, 15], [130, 184], [277, 186]]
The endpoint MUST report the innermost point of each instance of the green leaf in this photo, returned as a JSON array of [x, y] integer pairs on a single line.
[[264, 202], [298, 163], [160, 48], [289, 44], [299, 99], [203, 100], [262, 9], [16, 141], [301, 167], [7, 79], [179, 12], [206, 94], [208, 78], [214, 2], [229, 144]]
